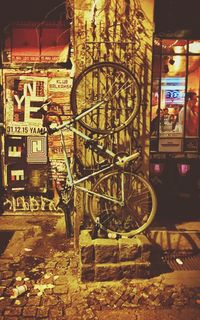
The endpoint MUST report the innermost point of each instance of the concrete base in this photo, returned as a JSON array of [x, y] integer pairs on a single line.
[[110, 259]]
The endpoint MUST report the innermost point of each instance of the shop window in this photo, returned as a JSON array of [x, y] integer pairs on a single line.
[[175, 91], [173, 46]]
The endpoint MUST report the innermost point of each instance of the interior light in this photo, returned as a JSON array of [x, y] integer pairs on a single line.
[[194, 47], [180, 49], [157, 168], [183, 168]]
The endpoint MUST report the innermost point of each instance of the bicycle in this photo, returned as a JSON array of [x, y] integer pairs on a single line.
[[121, 201]]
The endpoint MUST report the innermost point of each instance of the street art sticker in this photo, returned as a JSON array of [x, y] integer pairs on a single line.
[[59, 89], [15, 151], [56, 150], [57, 172], [16, 176], [24, 97], [37, 149]]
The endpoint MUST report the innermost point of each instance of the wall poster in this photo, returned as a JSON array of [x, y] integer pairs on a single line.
[[29, 154], [24, 96]]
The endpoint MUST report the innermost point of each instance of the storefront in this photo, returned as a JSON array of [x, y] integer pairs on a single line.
[[35, 67], [175, 143]]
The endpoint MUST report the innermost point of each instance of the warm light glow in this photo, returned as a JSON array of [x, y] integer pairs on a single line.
[[157, 168], [194, 47], [183, 169], [179, 49], [177, 63]]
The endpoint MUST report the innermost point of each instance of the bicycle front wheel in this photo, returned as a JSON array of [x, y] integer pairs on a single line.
[[134, 208], [116, 87]]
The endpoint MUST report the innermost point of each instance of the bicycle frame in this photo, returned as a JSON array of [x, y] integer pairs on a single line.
[[121, 162]]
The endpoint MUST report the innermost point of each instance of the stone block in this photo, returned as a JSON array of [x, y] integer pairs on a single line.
[[86, 247], [129, 269], [87, 254], [128, 249], [106, 250], [145, 247], [87, 272], [107, 271], [85, 236], [143, 269], [42, 312]]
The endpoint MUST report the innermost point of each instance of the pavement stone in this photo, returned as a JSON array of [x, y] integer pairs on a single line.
[[50, 267]]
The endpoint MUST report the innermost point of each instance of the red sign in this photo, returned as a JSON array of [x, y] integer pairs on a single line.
[[30, 43]]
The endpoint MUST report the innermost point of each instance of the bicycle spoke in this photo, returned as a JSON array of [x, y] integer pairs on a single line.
[[139, 205], [116, 86]]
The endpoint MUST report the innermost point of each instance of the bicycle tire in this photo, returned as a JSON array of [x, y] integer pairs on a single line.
[[112, 83], [139, 208]]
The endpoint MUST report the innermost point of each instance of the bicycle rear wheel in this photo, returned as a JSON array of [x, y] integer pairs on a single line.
[[137, 211], [113, 84]]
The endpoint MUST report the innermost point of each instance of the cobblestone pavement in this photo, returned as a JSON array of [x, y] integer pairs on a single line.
[[47, 264]]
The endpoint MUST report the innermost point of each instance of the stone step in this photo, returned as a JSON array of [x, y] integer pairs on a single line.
[[105, 259]]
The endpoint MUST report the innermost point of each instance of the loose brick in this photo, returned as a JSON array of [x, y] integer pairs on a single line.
[[13, 311], [7, 274], [61, 279], [2, 289], [56, 312], [49, 301], [6, 282], [33, 301], [5, 302], [30, 311], [59, 289], [87, 272], [11, 318], [42, 312]]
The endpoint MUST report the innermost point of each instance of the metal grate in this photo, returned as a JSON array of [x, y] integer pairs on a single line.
[[182, 261]]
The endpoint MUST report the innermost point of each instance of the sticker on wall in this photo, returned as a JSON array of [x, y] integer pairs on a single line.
[[37, 180], [37, 149], [58, 172], [14, 149], [55, 145], [170, 145], [16, 176], [59, 88]]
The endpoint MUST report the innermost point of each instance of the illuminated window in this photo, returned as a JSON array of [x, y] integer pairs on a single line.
[[175, 75]]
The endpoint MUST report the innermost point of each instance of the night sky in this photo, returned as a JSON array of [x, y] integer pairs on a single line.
[[30, 10], [170, 15]]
